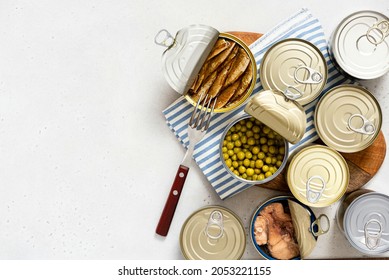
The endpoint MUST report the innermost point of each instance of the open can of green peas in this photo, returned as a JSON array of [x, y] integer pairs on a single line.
[[254, 148]]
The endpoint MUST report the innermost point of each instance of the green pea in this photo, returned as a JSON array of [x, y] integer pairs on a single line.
[[246, 162], [265, 168], [242, 169], [278, 163], [229, 162], [258, 163], [241, 155], [249, 155], [235, 164], [262, 140], [268, 160], [230, 145], [261, 155], [250, 172], [224, 149], [261, 177], [235, 137], [230, 153], [268, 174], [251, 141], [265, 148]]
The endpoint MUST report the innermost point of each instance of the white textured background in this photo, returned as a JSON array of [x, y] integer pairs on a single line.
[[86, 160]]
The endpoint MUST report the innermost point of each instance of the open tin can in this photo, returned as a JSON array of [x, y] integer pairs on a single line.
[[318, 176], [348, 118], [296, 68], [284, 228], [273, 110], [201, 62], [360, 45], [363, 217], [213, 233]]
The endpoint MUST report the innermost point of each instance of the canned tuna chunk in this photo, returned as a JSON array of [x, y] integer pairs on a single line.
[[364, 218], [360, 45]]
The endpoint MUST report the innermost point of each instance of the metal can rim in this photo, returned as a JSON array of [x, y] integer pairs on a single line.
[[249, 91], [210, 207], [315, 48], [321, 135], [266, 180]]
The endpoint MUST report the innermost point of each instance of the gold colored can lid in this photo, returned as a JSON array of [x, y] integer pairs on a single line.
[[348, 118], [286, 117], [213, 233], [294, 63], [318, 176]]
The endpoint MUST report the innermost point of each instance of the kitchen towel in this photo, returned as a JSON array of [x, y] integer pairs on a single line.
[[301, 25]]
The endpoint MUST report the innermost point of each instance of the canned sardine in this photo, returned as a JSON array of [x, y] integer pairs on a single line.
[[365, 221], [360, 45], [296, 68], [213, 233], [348, 118], [318, 176], [200, 62]]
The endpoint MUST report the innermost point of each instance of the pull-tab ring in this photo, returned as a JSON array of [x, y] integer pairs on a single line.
[[215, 219], [367, 127], [292, 93], [164, 38], [372, 239], [314, 77], [381, 28], [322, 228], [312, 195]]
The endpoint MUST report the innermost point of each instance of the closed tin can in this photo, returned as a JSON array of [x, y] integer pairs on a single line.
[[348, 118], [213, 233], [317, 176], [365, 221], [188, 54], [360, 45], [306, 228], [295, 67]]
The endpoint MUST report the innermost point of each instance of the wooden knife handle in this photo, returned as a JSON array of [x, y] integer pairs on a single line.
[[172, 201]]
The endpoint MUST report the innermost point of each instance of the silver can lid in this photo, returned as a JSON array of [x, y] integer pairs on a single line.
[[366, 223], [360, 44], [185, 54]]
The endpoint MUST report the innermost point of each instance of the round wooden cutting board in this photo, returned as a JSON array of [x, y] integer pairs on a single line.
[[363, 165]]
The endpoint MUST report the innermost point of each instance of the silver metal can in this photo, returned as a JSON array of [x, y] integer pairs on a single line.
[[360, 45], [365, 221], [213, 233], [295, 67], [348, 118]]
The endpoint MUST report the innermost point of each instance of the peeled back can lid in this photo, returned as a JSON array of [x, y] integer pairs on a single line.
[[213, 233], [286, 117], [318, 176], [348, 118], [360, 44], [366, 223], [297, 65], [186, 53]]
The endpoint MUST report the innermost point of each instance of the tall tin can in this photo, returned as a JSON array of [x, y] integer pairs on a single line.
[[317, 176], [348, 118], [360, 45], [363, 217], [213, 233], [296, 68]]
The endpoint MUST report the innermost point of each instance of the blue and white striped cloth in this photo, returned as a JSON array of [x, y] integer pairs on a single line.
[[301, 25]]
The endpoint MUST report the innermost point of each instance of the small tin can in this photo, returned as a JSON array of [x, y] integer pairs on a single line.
[[364, 219], [213, 233], [306, 226], [360, 45], [318, 176], [296, 67], [188, 52], [348, 118]]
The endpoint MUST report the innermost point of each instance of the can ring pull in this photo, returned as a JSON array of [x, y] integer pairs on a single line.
[[292, 93], [314, 77], [322, 228], [367, 127], [164, 38], [381, 28], [372, 239], [312, 195], [215, 219]]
